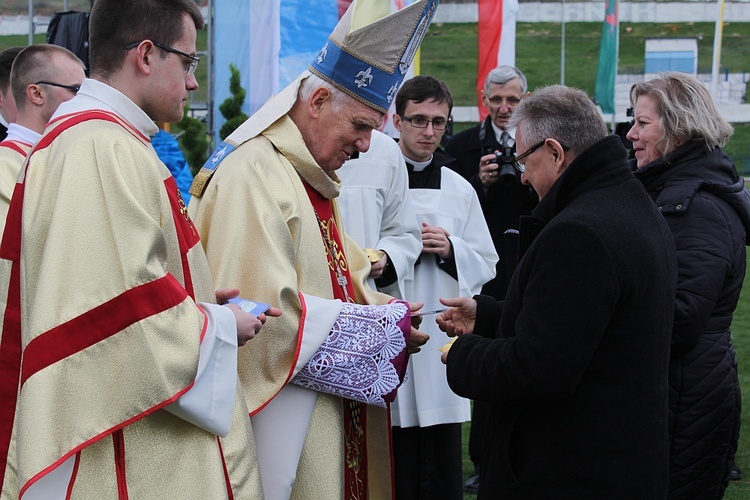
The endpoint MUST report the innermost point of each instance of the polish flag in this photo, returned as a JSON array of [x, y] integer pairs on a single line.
[[497, 40]]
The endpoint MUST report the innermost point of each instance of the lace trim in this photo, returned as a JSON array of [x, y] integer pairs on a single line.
[[355, 361]]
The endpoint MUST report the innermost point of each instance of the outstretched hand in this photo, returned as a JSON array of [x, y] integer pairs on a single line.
[[460, 316]]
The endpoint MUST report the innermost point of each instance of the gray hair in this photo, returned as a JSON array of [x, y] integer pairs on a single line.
[[687, 112], [562, 113], [313, 82], [502, 75]]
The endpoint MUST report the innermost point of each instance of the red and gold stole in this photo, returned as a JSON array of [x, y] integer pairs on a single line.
[[355, 413]]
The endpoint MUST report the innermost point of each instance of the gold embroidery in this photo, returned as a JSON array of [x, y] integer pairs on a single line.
[[184, 212]]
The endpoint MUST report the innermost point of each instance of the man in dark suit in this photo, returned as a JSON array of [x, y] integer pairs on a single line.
[[574, 361], [484, 156]]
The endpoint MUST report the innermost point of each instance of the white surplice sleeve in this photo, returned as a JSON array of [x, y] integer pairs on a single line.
[[210, 401]]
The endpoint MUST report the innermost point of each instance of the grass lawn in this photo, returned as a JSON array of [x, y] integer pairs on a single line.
[[449, 51]]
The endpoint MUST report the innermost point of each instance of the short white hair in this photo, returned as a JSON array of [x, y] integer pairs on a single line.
[[313, 82]]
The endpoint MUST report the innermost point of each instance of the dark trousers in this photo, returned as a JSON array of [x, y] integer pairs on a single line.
[[427, 462]]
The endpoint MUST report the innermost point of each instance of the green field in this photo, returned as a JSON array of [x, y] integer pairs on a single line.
[[449, 52]]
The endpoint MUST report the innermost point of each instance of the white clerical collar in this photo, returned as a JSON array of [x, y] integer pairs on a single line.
[[98, 95], [20, 133], [499, 132], [418, 165]]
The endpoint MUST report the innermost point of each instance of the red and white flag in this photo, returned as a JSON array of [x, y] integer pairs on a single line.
[[497, 40]]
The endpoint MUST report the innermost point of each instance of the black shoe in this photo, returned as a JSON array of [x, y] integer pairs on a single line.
[[472, 484], [735, 473]]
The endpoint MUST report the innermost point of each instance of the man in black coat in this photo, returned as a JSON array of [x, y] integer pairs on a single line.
[[574, 361], [504, 199]]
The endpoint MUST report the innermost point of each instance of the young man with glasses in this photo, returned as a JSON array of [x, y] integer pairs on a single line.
[[457, 258], [128, 386], [37, 98], [573, 362]]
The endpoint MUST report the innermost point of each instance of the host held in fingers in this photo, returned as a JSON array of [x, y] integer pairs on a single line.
[[574, 361]]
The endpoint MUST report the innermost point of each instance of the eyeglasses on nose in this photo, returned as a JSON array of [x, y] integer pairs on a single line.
[[422, 122], [497, 102], [520, 162], [189, 67]]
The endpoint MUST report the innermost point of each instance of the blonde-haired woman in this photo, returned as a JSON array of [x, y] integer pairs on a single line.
[[677, 139]]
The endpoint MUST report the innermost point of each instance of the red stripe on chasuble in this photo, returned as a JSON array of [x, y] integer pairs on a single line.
[[355, 413], [10, 346], [15, 146], [230, 493], [62, 123], [118, 441], [69, 492], [187, 235], [100, 323]]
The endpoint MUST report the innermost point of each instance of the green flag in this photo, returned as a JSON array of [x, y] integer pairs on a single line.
[[604, 91]]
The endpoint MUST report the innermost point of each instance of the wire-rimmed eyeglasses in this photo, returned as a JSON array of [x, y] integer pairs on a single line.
[[520, 162], [189, 67], [422, 122]]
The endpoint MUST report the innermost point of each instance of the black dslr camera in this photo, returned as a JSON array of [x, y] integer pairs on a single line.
[[505, 158]]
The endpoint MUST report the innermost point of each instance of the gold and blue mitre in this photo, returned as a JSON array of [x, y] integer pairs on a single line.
[[369, 52]]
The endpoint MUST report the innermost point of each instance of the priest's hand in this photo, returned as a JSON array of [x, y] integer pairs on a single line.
[[460, 316], [416, 340], [377, 268], [435, 240], [414, 307]]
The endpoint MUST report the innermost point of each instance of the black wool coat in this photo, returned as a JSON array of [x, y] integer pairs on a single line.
[[502, 205], [577, 374], [704, 201]]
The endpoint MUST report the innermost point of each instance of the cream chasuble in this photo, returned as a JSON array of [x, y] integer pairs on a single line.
[[102, 271], [12, 155], [261, 233]]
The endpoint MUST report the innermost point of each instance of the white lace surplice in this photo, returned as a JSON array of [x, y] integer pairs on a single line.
[[356, 361]]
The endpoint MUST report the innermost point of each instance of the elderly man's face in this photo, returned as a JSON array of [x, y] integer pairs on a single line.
[[502, 100], [338, 134], [540, 169]]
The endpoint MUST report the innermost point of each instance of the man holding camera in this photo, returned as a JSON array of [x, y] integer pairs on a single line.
[[484, 156], [457, 259]]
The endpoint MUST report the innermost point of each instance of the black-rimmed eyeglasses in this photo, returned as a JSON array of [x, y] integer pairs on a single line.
[[72, 88], [422, 122], [189, 67], [520, 162]]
